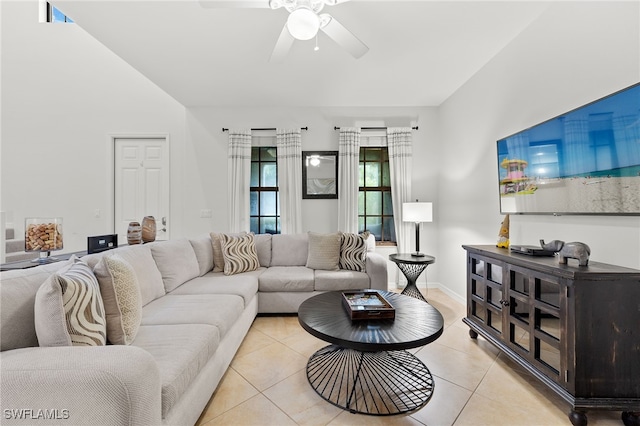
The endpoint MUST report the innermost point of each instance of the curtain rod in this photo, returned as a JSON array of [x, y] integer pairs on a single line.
[[264, 128], [374, 128]]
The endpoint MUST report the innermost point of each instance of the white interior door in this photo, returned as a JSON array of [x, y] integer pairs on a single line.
[[141, 184]]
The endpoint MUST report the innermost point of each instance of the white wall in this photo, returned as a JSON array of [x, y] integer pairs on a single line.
[[575, 53], [63, 94], [207, 153]]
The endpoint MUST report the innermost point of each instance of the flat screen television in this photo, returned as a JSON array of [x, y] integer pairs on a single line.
[[586, 161]]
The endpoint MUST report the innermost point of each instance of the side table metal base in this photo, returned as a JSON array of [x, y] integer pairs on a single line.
[[412, 290], [376, 383]]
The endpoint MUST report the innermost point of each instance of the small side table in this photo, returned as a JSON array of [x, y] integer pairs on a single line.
[[412, 267]]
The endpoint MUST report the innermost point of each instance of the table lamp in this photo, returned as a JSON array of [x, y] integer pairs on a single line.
[[417, 212]]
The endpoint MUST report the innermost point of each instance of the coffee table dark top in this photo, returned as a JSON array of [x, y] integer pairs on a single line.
[[416, 323]]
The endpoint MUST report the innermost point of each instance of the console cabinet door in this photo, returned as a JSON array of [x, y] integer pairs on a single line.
[[536, 320], [485, 294]]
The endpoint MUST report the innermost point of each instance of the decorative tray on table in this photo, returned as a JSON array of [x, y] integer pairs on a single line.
[[364, 305]]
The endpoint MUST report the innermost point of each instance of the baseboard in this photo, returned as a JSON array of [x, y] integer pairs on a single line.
[[455, 296]]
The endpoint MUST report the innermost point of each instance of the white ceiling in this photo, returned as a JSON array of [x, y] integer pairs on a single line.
[[420, 51]]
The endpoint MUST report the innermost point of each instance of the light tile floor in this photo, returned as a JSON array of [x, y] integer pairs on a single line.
[[474, 384]]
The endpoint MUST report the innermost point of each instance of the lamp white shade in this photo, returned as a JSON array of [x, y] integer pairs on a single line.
[[303, 23], [417, 212]]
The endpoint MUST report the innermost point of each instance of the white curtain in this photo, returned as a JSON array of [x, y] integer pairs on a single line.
[[400, 164], [289, 144], [239, 177], [348, 162]]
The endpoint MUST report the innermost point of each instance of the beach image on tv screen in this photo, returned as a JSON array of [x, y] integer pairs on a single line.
[[585, 161]]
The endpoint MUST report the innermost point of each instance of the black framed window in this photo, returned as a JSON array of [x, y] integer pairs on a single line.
[[375, 207], [264, 200], [56, 16]]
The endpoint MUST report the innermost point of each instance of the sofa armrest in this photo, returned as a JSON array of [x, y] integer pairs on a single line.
[[377, 271], [108, 385]]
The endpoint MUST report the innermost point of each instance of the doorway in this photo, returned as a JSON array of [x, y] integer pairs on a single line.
[[141, 183]]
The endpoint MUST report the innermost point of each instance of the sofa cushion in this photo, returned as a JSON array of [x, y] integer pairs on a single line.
[[176, 261], [204, 252], [147, 272], [216, 248], [239, 254], [219, 310], [324, 251], [121, 296], [289, 249], [341, 280], [263, 248], [244, 285], [68, 308], [353, 251], [287, 278], [181, 351], [93, 259], [18, 290]]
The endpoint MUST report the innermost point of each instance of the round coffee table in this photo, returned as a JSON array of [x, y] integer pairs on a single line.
[[367, 369]]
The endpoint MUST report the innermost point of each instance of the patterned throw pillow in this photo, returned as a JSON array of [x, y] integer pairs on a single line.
[[121, 296], [69, 310], [324, 251], [239, 254], [353, 251], [216, 243]]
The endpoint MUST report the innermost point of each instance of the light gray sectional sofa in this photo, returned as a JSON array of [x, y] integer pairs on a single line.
[[192, 322]]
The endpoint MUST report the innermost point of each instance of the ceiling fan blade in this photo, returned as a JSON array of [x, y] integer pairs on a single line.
[[343, 36], [334, 2], [245, 4], [283, 45]]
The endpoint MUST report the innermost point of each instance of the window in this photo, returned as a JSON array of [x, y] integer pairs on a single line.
[[263, 194], [54, 15], [375, 209]]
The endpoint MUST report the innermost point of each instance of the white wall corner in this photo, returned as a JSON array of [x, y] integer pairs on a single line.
[[3, 236]]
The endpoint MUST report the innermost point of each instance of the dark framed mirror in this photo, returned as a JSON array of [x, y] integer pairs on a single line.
[[319, 174]]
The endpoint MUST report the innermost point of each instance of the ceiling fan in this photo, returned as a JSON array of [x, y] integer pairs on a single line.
[[303, 23]]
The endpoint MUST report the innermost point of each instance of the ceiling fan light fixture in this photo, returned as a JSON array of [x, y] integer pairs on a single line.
[[303, 23]]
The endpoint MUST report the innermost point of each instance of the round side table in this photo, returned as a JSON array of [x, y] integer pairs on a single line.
[[412, 266]]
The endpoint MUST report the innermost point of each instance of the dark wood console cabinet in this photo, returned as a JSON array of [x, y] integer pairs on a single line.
[[575, 328]]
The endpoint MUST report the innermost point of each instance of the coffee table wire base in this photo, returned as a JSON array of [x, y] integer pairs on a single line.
[[376, 383]]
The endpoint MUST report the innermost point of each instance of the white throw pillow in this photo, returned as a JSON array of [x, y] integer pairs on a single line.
[[68, 308], [121, 297], [216, 243], [239, 254], [324, 251], [353, 251]]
